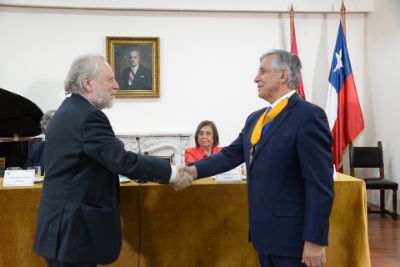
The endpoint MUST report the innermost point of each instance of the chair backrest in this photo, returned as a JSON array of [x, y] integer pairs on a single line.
[[366, 157]]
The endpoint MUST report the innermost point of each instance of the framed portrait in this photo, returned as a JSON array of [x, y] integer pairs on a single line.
[[136, 64]]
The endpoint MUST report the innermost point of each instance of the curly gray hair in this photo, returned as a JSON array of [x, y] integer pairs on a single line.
[[83, 66]]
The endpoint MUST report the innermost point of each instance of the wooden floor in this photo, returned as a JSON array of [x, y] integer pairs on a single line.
[[384, 241]]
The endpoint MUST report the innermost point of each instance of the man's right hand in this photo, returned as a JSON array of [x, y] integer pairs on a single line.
[[191, 170], [182, 179], [313, 255]]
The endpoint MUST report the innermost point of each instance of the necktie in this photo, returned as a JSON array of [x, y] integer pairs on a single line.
[[131, 77], [265, 127]]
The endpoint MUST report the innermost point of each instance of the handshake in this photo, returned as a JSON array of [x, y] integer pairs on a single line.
[[184, 177]]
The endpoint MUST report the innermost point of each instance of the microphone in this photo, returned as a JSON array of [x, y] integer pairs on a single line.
[[138, 144], [139, 181]]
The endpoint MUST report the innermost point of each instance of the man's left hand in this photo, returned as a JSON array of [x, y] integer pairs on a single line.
[[313, 255]]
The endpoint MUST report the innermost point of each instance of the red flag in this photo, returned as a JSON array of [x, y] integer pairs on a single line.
[[342, 107], [294, 50]]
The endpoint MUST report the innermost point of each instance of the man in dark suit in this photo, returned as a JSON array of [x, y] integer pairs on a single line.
[[36, 150], [136, 76], [36, 156], [78, 220], [287, 150]]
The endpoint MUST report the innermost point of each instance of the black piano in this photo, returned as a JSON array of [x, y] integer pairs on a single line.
[[19, 124]]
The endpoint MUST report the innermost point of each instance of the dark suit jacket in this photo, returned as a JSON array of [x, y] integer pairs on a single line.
[[143, 79], [290, 181], [78, 219], [36, 156]]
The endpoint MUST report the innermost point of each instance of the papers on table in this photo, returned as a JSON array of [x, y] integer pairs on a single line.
[[38, 179], [124, 179], [18, 177], [234, 175]]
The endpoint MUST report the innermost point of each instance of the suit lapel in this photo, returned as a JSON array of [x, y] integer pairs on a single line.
[[139, 70], [249, 128], [277, 122]]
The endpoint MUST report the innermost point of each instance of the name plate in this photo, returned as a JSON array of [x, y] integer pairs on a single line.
[[234, 175], [18, 177]]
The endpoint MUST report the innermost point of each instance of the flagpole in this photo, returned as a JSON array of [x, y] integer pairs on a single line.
[[343, 15], [293, 50], [291, 14]]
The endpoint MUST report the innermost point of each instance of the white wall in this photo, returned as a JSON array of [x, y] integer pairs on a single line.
[[382, 85], [208, 59]]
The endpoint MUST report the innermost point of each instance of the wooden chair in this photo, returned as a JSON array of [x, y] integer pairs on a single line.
[[372, 157]]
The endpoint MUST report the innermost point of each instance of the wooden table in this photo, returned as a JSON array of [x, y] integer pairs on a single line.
[[204, 225]]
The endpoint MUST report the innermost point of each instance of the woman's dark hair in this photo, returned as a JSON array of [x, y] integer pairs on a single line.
[[214, 129]]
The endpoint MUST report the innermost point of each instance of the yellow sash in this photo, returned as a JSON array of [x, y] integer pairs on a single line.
[[264, 119]]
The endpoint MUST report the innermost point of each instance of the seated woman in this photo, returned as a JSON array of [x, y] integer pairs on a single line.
[[207, 141], [36, 150]]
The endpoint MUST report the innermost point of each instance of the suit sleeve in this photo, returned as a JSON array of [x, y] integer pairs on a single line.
[[314, 152], [101, 144], [225, 160], [124, 79]]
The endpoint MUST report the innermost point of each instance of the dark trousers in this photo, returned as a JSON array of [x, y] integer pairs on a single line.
[[277, 261], [56, 263]]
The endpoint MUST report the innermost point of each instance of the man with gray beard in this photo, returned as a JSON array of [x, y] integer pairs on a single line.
[[78, 220]]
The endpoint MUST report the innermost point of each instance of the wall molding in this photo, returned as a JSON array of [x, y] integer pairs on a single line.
[[252, 6]]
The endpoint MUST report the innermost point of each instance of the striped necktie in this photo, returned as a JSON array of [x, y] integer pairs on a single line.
[[131, 77]]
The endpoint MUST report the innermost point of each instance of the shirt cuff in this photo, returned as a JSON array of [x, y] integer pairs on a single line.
[[173, 174]]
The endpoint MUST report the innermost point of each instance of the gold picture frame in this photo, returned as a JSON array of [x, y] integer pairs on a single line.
[[136, 64]]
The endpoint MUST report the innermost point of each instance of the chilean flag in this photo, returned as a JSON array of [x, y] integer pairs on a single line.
[[342, 107]]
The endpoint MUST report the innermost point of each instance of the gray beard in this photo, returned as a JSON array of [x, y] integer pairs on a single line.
[[101, 102]]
